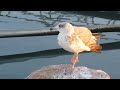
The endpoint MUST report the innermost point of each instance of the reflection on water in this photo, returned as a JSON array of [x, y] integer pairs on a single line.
[[49, 53], [20, 56], [50, 18]]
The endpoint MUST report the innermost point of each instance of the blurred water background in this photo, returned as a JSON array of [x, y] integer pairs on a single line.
[[21, 56]]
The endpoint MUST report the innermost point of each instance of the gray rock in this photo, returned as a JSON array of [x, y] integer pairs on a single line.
[[65, 71]]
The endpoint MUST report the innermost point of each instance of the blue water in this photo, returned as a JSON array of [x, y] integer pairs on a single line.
[[21, 56]]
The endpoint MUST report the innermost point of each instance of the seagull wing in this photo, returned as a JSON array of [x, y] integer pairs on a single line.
[[83, 33], [86, 36]]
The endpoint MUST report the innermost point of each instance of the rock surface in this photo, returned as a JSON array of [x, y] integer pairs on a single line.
[[65, 71]]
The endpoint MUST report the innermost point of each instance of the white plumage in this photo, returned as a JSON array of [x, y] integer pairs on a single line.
[[77, 39]]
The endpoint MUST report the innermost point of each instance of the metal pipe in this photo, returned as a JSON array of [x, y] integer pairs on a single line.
[[96, 29], [9, 34]]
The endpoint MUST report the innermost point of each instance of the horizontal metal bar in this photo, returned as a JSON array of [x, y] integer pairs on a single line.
[[96, 29]]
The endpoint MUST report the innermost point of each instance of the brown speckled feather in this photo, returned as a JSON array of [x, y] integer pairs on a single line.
[[94, 45], [85, 35]]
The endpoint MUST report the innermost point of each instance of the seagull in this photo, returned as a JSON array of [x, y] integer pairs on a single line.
[[77, 39]]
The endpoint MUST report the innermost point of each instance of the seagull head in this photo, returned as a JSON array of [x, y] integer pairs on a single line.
[[64, 27]]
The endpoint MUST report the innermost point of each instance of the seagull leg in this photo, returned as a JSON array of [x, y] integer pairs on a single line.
[[77, 58], [74, 59]]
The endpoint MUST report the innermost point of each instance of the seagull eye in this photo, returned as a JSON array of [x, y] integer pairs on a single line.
[[60, 26]]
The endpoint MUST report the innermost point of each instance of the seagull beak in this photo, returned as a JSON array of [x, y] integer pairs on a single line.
[[53, 28]]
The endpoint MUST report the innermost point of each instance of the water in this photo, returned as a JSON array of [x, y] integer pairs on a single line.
[[21, 56]]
